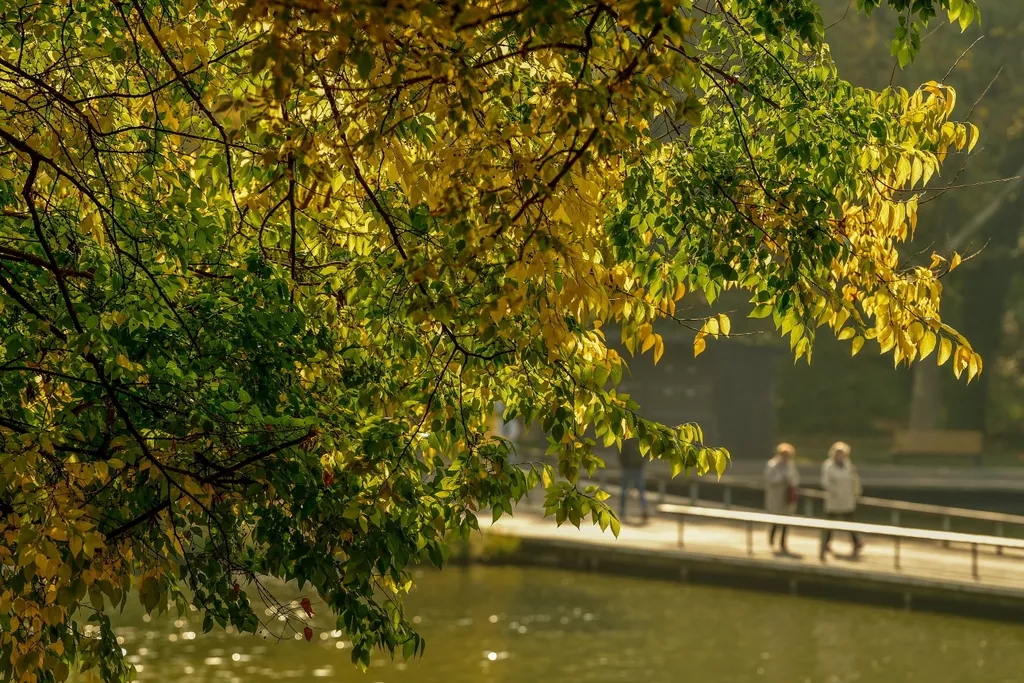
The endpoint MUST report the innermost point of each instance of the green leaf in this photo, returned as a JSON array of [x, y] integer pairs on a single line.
[[364, 64]]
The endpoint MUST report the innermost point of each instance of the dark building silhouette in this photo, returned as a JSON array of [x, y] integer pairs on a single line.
[[729, 390]]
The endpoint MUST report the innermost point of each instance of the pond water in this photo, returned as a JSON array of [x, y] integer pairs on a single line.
[[518, 625]]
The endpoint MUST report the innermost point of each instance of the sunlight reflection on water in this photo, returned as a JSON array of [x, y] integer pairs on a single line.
[[508, 625]]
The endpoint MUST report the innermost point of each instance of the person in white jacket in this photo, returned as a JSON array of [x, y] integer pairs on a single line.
[[781, 480], [842, 487]]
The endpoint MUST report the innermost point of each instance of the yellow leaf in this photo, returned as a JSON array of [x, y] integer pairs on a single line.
[[721, 458], [973, 366], [712, 326], [680, 291], [899, 213], [887, 339], [916, 331], [858, 344], [803, 346], [961, 137], [945, 349], [846, 333], [917, 170], [724, 324], [561, 216], [92, 227], [659, 348], [649, 340], [902, 170], [927, 344], [974, 137], [192, 486], [884, 214], [53, 615], [955, 261], [699, 345]]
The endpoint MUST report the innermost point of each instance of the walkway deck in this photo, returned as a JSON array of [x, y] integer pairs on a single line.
[[924, 566]]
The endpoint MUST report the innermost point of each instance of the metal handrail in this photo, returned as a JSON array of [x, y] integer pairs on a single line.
[[945, 514], [907, 506], [896, 533], [895, 507]]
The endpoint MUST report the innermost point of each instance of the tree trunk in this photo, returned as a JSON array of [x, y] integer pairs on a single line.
[[926, 397]]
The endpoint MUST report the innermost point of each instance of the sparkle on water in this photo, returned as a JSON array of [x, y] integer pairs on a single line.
[[509, 625]]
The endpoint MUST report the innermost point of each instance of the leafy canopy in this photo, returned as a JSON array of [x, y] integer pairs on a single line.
[[266, 267]]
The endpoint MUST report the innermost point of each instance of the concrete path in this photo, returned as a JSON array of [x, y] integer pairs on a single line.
[[918, 560]]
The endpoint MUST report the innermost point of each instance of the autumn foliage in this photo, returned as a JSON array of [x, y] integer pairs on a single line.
[[266, 267]]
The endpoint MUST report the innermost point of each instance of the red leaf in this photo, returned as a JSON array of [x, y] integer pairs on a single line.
[[307, 607], [328, 478], [308, 632]]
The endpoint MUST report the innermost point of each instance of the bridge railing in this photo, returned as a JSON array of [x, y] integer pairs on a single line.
[[897, 534], [812, 504], [812, 500]]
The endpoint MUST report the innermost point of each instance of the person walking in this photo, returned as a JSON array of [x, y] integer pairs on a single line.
[[632, 477], [781, 480], [842, 487]]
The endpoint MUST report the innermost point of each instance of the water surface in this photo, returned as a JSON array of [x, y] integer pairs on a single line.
[[515, 625]]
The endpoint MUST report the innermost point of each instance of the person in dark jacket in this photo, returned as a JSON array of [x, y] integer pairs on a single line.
[[633, 463]]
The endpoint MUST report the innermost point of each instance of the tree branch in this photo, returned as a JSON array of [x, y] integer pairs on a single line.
[[17, 255]]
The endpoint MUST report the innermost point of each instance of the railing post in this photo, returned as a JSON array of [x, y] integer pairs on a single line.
[[1000, 531], [679, 532], [946, 524], [727, 497], [750, 538], [661, 491], [694, 492], [896, 558], [894, 517], [974, 560], [809, 506]]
